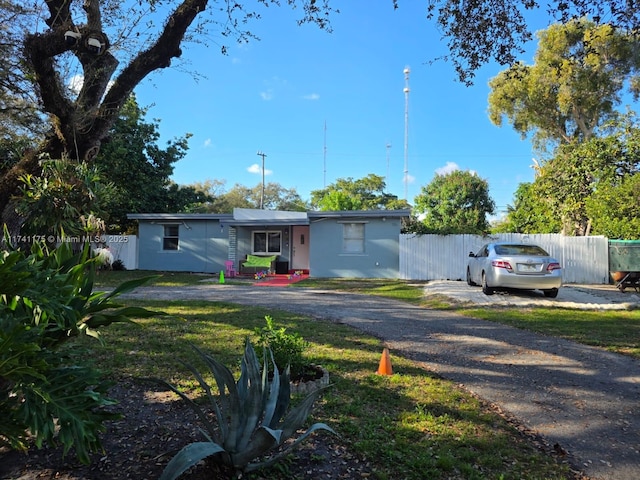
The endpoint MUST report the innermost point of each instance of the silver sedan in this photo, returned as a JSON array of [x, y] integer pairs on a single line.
[[514, 265]]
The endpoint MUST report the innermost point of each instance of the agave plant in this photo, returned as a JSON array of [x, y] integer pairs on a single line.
[[253, 416]]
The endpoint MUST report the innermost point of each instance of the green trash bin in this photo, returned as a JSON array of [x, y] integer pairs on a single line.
[[624, 262]]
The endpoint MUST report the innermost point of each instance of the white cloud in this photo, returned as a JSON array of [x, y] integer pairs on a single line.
[[312, 96], [409, 178], [448, 168], [207, 143], [255, 168], [267, 95]]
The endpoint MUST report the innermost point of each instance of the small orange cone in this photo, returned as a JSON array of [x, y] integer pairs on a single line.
[[385, 364]]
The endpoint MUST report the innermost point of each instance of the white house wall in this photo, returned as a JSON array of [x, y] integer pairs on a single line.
[[444, 257]]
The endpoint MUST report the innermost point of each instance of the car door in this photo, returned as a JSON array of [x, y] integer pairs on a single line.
[[476, 264]]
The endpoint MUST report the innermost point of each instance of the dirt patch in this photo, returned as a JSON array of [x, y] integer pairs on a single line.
[[153, 427]]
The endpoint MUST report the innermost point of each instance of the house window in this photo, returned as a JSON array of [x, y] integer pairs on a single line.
[[170, 238], [267, 242], [353, 238]]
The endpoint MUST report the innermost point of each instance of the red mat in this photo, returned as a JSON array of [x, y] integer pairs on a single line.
[[280, 280]]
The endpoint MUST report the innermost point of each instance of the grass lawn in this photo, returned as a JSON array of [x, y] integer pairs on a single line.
[[615, 330], [411, 425]]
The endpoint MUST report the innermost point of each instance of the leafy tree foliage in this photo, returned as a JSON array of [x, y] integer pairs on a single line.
[[366, 193], [583, 186], [579, 170], [276, 197], [81, 119], [19, 116], [528, 214], [457, 202], [574, 86], [478, 31], [613, 209], [63, 198]]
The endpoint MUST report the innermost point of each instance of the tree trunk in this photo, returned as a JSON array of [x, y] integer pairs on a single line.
[[78, 127]]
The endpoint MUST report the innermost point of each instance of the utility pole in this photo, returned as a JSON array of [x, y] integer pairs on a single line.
[[260, 154]]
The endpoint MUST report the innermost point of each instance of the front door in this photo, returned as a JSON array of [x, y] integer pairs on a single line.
[[300, 248]]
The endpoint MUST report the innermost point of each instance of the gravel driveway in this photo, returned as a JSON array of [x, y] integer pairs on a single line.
[[584, 297], [580, 398]]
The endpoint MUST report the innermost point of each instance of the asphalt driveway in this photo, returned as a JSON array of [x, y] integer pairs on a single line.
[[582, 399]]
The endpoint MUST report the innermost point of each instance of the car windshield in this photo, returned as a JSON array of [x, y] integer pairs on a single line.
[[520, 250]]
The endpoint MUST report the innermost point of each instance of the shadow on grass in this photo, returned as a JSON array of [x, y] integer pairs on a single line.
[[410, 425]]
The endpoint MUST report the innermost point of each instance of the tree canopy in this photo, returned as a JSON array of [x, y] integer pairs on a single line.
[[574, 86], [528, 214], [585, 187], [366, 193], [457, 202]]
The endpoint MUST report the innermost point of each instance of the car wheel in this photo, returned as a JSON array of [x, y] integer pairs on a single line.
[[487, 290], [469, 281], [552, 293]]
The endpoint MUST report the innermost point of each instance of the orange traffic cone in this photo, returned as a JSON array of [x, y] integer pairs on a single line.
[[385, 364]]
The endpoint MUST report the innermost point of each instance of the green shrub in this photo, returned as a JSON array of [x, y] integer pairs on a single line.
[[252, 417], [52, 393], [287, 348]]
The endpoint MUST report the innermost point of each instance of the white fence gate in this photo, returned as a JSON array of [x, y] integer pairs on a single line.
[[444, 257]]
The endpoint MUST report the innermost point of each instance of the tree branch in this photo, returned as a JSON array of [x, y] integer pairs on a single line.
[[94, 17], [60, 13], [158, 56]]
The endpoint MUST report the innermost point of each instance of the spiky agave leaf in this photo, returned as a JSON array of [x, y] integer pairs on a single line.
[[251, 409], [277, 457], [188, 457]]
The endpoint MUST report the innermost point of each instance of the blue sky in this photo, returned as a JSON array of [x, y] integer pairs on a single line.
[[276, 95]]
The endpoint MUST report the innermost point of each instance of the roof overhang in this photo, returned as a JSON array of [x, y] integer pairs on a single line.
[[361, 214], [247, 217]]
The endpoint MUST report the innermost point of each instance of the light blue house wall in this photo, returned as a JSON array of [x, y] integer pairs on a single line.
[[380, 256], [203, 243], [206, 241]]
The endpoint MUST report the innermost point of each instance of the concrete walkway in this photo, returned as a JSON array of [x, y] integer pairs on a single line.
[[585, 400]]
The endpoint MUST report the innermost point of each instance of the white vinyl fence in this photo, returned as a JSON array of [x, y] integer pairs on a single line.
[[444, 257], [124, 247]]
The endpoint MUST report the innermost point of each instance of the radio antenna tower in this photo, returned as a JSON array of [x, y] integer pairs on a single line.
[[406, 72], [387, 177], [324, 158]]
